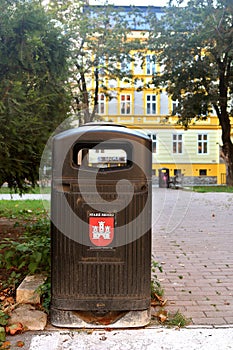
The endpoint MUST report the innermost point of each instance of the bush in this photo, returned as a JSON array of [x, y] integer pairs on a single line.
[[30, 253]]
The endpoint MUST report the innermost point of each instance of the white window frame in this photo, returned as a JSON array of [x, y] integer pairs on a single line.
[[202, 143], [150, 64], [175, 104], [151, 104], [177, 143], [125, 104], [153, 137], [101, 104]]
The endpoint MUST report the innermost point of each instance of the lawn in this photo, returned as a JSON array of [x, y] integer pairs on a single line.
[[35, 190], [204, 189], [22, 209]]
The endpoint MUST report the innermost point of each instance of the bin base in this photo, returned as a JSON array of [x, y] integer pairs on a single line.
[[121, 319]]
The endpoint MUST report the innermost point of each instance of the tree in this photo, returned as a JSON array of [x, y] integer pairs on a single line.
[[194, 44], [33, 98], [99, 37]]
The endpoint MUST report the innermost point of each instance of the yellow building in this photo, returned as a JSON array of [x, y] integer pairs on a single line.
[[195, 152]]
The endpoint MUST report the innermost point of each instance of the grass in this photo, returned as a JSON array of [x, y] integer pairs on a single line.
[[27, 249], [35, 190], [177, 320], [26, 209], [204, 189]]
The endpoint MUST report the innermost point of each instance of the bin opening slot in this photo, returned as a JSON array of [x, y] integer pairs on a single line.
[[102, 156]]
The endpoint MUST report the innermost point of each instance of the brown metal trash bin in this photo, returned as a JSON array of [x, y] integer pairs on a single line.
[[101, 227]]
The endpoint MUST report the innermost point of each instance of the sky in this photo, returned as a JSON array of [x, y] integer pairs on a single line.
[[132, 2]]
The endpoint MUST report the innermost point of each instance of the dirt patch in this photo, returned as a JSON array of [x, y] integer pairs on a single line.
[[11, 229]]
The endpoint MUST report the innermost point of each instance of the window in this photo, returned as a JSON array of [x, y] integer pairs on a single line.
[[177, 143], [101, 104], [125, 65], [154, 142], [150, 104], [126, 104], [202, 172], [202, 144], [177, 172], [175, 105], [150, 64]]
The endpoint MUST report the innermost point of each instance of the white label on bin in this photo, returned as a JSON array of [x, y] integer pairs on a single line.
[[101, 229]]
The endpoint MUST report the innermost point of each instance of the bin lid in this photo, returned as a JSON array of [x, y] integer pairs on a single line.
[[103, 124], [100, 127]]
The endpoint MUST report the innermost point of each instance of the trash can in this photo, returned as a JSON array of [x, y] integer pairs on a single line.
[[101, 227], [164, 177]]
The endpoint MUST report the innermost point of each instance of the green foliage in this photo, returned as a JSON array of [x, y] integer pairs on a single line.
[[194, 44], [33, 97], [3, 322], [3, 318], [45, 292], [177, 320], [30, 253], [29, 189], [155, 284], [2, 335], [99, 43], [204, 189]]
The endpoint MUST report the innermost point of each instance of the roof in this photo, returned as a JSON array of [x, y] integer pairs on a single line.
[[136, 14]]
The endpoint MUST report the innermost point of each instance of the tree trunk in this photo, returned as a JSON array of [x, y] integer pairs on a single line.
[[228, 157], [227, 147], [95, 93], [224, 119]]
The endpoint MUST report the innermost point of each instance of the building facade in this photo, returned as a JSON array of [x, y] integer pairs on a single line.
[[195, 153]]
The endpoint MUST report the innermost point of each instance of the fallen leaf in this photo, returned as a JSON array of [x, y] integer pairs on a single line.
[[20, 344], [157, 300], [162, 316], [14, 328], [6, 345], [10, 300], [155, 303]]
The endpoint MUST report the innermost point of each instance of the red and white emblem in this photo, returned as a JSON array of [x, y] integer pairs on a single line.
[[101, 229]]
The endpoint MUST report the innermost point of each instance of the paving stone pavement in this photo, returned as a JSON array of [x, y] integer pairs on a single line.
[[193, 239]]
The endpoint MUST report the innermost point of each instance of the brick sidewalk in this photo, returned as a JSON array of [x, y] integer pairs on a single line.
[[193, 239]]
